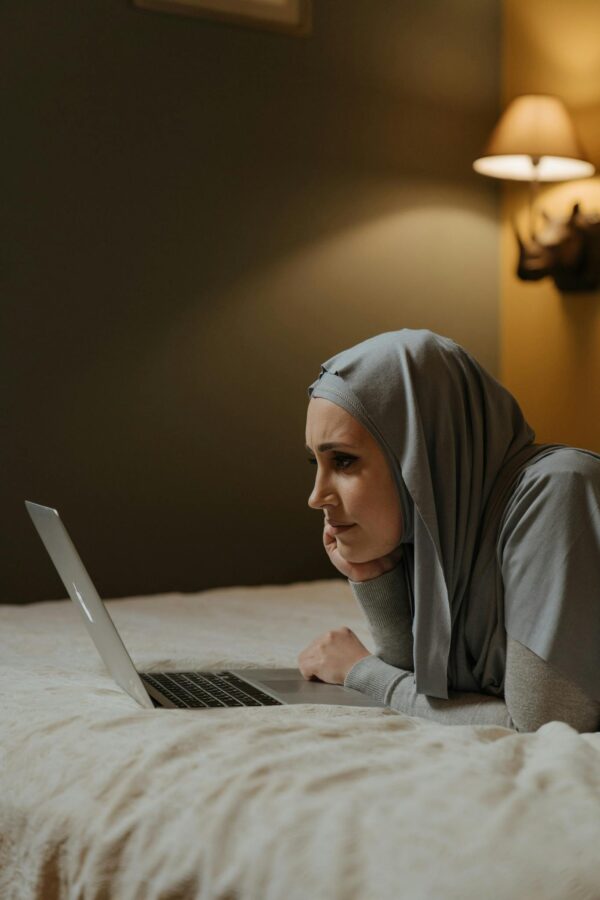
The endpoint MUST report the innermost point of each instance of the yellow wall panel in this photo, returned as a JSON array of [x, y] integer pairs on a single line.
[[550, 341]]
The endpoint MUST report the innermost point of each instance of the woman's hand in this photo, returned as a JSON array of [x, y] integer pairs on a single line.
[[331, 656], [359, 571]]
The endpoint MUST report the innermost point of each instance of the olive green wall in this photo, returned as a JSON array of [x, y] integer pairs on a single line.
[[196, 215]]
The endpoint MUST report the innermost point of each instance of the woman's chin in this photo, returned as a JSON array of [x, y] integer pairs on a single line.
[[357, 556], [353, 556]]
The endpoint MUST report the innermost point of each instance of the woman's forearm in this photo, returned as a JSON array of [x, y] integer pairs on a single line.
[[386, 606], [396, 688]]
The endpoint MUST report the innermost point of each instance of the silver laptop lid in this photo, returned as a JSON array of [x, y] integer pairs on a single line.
[[82, 592]]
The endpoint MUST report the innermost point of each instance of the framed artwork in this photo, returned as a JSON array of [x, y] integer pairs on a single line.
[[290, 16]]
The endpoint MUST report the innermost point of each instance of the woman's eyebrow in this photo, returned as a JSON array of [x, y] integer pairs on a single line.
[[330, 446]]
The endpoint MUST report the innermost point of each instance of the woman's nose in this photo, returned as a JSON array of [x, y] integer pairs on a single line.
[[319, 495], [312, 500]]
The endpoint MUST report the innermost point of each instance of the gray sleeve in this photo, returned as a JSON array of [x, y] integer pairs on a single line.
[[386, 605], [549, 554], [535, 692], [396, 688]]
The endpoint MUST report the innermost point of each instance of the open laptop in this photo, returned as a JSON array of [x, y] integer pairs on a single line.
[[189, 690]]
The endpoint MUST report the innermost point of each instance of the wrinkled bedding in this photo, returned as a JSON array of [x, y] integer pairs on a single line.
[[100, 798]]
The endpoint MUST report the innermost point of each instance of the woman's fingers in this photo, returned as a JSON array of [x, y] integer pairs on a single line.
[[329, 540]]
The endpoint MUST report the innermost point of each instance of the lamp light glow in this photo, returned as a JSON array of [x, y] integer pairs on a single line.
[[535, 140], [519, 167]]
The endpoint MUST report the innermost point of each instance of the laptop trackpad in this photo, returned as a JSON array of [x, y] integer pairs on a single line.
[[299, 690], [309, 691], [288, 687]]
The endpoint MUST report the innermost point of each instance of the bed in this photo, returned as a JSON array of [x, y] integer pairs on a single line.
[[101, 798]]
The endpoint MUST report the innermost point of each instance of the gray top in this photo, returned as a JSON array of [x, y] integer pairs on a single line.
[[480, 513], [534, 691]]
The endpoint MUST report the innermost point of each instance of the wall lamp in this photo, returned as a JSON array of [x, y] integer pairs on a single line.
[[535, 140]]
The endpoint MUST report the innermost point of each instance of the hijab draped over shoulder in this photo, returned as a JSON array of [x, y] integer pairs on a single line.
[[456, 441]]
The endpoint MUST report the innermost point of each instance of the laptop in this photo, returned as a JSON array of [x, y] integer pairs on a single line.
[[187, 690]]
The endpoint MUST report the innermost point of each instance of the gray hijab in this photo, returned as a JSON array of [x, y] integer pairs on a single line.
[[456, 440]]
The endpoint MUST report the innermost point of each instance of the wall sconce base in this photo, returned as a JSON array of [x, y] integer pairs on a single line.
[[566, 250]]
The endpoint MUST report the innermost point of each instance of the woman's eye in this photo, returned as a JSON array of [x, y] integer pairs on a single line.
[[341, 462]]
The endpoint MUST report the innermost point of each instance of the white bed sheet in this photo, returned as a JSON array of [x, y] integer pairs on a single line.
[[103, 799]]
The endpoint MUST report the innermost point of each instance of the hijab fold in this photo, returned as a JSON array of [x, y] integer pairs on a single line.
[[456, 441]]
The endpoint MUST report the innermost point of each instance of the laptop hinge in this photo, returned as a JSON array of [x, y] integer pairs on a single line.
[[159, 700]]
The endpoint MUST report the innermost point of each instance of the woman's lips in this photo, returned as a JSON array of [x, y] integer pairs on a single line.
[[337, 529]]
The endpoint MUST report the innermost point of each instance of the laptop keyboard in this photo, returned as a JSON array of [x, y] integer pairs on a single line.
[[190, 690]]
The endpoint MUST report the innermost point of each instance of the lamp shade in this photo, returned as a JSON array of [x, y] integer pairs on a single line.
[[535, 139]]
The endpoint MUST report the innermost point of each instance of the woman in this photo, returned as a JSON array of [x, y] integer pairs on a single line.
[[473, 552]]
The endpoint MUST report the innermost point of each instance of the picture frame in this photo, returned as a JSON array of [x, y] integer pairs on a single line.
[[292, 17]]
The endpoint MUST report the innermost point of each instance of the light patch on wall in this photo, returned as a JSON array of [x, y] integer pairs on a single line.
[[291, 16], [405, 267]]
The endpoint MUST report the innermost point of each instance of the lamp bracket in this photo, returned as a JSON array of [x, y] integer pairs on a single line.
[[567, 250]]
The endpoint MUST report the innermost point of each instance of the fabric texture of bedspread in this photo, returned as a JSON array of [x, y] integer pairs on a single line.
[[100, 798]]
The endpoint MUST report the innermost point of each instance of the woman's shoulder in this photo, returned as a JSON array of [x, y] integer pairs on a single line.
[[553, 489], [560, 469], [565, 461]]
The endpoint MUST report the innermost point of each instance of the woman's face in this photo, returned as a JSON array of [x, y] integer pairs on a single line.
[[353, 484]]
